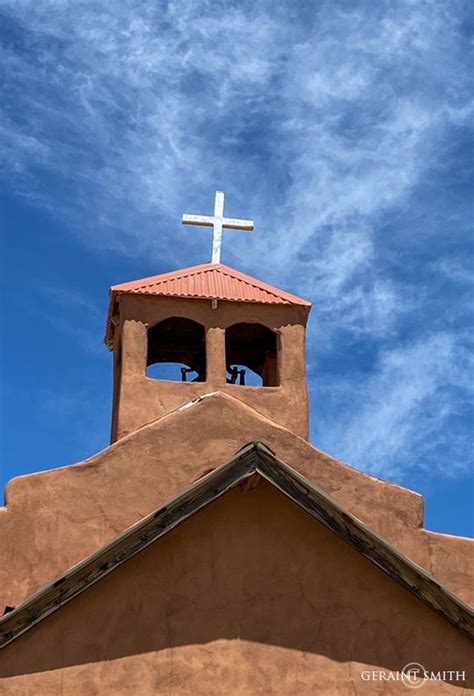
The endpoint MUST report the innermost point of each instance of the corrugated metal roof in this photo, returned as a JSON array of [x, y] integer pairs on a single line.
[[205, 281], [210, 281]]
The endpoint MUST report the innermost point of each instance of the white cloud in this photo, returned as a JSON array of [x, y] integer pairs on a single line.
[[455, 270], [401, 416], [319, 123], [140, 104]]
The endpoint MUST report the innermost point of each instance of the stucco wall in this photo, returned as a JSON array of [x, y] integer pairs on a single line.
[[56, 518], [139, 400], [250, 596]]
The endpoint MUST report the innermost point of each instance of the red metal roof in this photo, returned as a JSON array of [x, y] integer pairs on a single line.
[[210, 281], [206, 281]]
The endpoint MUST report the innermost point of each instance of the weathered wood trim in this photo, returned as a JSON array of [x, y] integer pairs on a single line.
[[126, 545], [409, 575], [254, 459]]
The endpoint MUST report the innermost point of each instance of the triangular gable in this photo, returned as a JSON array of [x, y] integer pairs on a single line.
[[253, 460]]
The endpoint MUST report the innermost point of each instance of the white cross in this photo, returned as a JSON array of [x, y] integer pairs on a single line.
[[217, 222]]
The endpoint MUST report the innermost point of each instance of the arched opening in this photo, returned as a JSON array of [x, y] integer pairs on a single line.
[[177, 350], [251, 355]]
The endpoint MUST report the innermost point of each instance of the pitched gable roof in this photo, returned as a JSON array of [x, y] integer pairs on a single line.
[[214, 281], [254, 459], [211, 281]]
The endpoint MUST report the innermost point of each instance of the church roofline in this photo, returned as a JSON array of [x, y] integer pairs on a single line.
[[213, 281], [254, 459]]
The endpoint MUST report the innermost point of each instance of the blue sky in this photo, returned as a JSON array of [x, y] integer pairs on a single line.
[[343, 128]]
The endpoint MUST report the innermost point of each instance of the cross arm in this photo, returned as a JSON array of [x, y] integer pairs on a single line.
[[236, 224], [204, 220]]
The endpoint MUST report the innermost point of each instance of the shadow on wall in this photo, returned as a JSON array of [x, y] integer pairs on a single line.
[[176, 349], [251, 355], [250, 567]]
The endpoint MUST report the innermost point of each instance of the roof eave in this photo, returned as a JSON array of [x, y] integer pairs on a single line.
[[254, 458], [115, 293]]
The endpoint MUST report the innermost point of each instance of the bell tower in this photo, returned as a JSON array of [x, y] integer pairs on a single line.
[[180, 335]]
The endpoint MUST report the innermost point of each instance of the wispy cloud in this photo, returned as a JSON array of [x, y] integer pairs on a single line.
[[407, 412], [327, 122], [316, 122]]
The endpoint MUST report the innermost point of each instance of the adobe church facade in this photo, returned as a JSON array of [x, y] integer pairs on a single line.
[[211, 548]]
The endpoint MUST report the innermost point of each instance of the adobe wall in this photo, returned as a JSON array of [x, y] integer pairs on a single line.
[[139, 399], [56, 518], [250, 596]]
